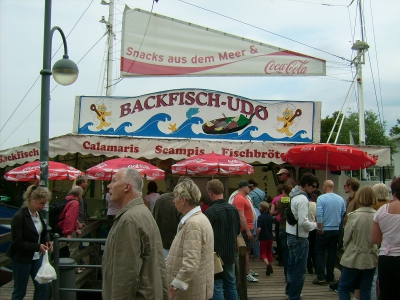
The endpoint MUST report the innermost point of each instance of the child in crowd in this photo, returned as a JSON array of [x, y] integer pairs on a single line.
[[264, 235]]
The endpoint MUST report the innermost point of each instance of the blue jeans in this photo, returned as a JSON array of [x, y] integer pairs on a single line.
[[21, 273], [285, 249], [227, 284], [327, 241], [297, 264], [349, 277]]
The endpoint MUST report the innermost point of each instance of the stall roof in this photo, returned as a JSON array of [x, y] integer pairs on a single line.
[[177, 149]]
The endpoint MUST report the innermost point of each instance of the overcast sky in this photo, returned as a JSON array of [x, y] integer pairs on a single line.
[[322, 28]]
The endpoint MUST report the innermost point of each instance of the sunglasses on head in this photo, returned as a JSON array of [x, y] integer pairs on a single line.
[[314, 186]]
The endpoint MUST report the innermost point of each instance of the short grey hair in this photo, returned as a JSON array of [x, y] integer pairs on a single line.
[[132, 176], [75, 191], [189, 190]]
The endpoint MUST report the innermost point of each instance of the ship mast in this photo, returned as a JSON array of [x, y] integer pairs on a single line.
[[361, 47], [110, 44]]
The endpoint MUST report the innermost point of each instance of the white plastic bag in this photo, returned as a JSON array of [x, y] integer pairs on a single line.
[[46, 272]]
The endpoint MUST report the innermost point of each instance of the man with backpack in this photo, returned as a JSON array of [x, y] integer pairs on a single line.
[[297, 235]]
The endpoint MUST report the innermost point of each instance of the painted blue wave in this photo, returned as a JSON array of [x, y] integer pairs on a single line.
[[150, 129]]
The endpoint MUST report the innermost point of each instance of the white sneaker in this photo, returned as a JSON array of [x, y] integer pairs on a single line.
[[250, 278], [253, 273]]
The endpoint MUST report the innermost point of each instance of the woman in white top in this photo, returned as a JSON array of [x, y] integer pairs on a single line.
[[385, 231]]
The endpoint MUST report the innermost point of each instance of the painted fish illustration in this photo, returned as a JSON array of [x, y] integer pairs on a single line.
[[191, 112]]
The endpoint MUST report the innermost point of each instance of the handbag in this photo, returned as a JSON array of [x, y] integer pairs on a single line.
[[218, 263], [46, 272]]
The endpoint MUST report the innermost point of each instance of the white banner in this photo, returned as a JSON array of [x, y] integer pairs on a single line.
[[199, 114], [250, 152], [155, 45]]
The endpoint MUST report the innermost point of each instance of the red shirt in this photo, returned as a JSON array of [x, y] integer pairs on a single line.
[[242, 204]]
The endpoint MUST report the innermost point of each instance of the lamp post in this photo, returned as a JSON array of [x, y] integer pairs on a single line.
[[65, 72]]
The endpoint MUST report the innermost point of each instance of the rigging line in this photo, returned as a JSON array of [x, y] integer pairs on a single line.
[[39, 102], [20, 103], [248, 24], [101, 79], [140, 47], [373, 84], [76, 23], [377, 63], [19, 125]]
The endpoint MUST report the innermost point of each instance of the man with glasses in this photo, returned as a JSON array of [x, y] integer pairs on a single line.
[[284, 176], [297, 236], [330, 212]]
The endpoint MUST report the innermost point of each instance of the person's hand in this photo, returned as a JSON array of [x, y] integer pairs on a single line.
[[255, 239], [49, 246], [171, 291], [249, 235], [82, 224], [78, 231], [68, 236], [43, 248]]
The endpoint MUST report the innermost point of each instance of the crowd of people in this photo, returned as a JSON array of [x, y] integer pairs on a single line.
[[164, 246]]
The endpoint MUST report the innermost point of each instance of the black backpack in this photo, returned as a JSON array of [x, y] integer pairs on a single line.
[[289, 215], [55, 210]]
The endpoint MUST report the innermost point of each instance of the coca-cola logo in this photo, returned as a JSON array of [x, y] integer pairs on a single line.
[[295, 67], [202, 169], [341, 149], [306, 148], [20, 176], [139, 167], [27, 169], [235, 161], [101, 165], [99, 174], [232, 168], [54, 174], [195, 160]]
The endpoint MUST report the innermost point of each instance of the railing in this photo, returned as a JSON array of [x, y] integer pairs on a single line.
[[92, 249], [241, 272]]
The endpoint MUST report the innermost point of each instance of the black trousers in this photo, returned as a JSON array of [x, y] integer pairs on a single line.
[[389, 277]]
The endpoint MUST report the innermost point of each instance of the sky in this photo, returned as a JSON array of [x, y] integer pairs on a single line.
[[325, 29]]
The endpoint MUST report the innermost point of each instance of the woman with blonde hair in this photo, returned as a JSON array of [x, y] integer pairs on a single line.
[[360, 256], [190, 262], [29, 242], [382, 194]]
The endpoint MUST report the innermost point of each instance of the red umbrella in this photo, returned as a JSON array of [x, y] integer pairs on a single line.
[[31, 171], [212, 163], [106, 169], [327, 156]]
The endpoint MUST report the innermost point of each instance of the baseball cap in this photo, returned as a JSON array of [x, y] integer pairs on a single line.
[[243, 183], [281, 171]]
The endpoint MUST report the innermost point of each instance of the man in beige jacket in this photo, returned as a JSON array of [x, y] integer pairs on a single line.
[[133, 260]]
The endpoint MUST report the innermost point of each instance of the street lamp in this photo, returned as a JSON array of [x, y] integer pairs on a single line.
[[65, 72]]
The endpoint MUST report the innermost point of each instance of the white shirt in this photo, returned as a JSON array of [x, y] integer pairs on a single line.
[[390, 227], [39, 228]]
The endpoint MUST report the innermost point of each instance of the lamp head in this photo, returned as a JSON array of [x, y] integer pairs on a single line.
[[65, 71]]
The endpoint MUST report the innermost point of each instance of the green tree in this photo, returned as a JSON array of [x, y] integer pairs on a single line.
[[374, 130], [395, 130]]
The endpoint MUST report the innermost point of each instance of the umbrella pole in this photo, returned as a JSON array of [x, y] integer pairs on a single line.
[[326, 169]]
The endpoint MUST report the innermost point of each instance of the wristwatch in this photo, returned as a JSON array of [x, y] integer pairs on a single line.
[[174, 288]]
